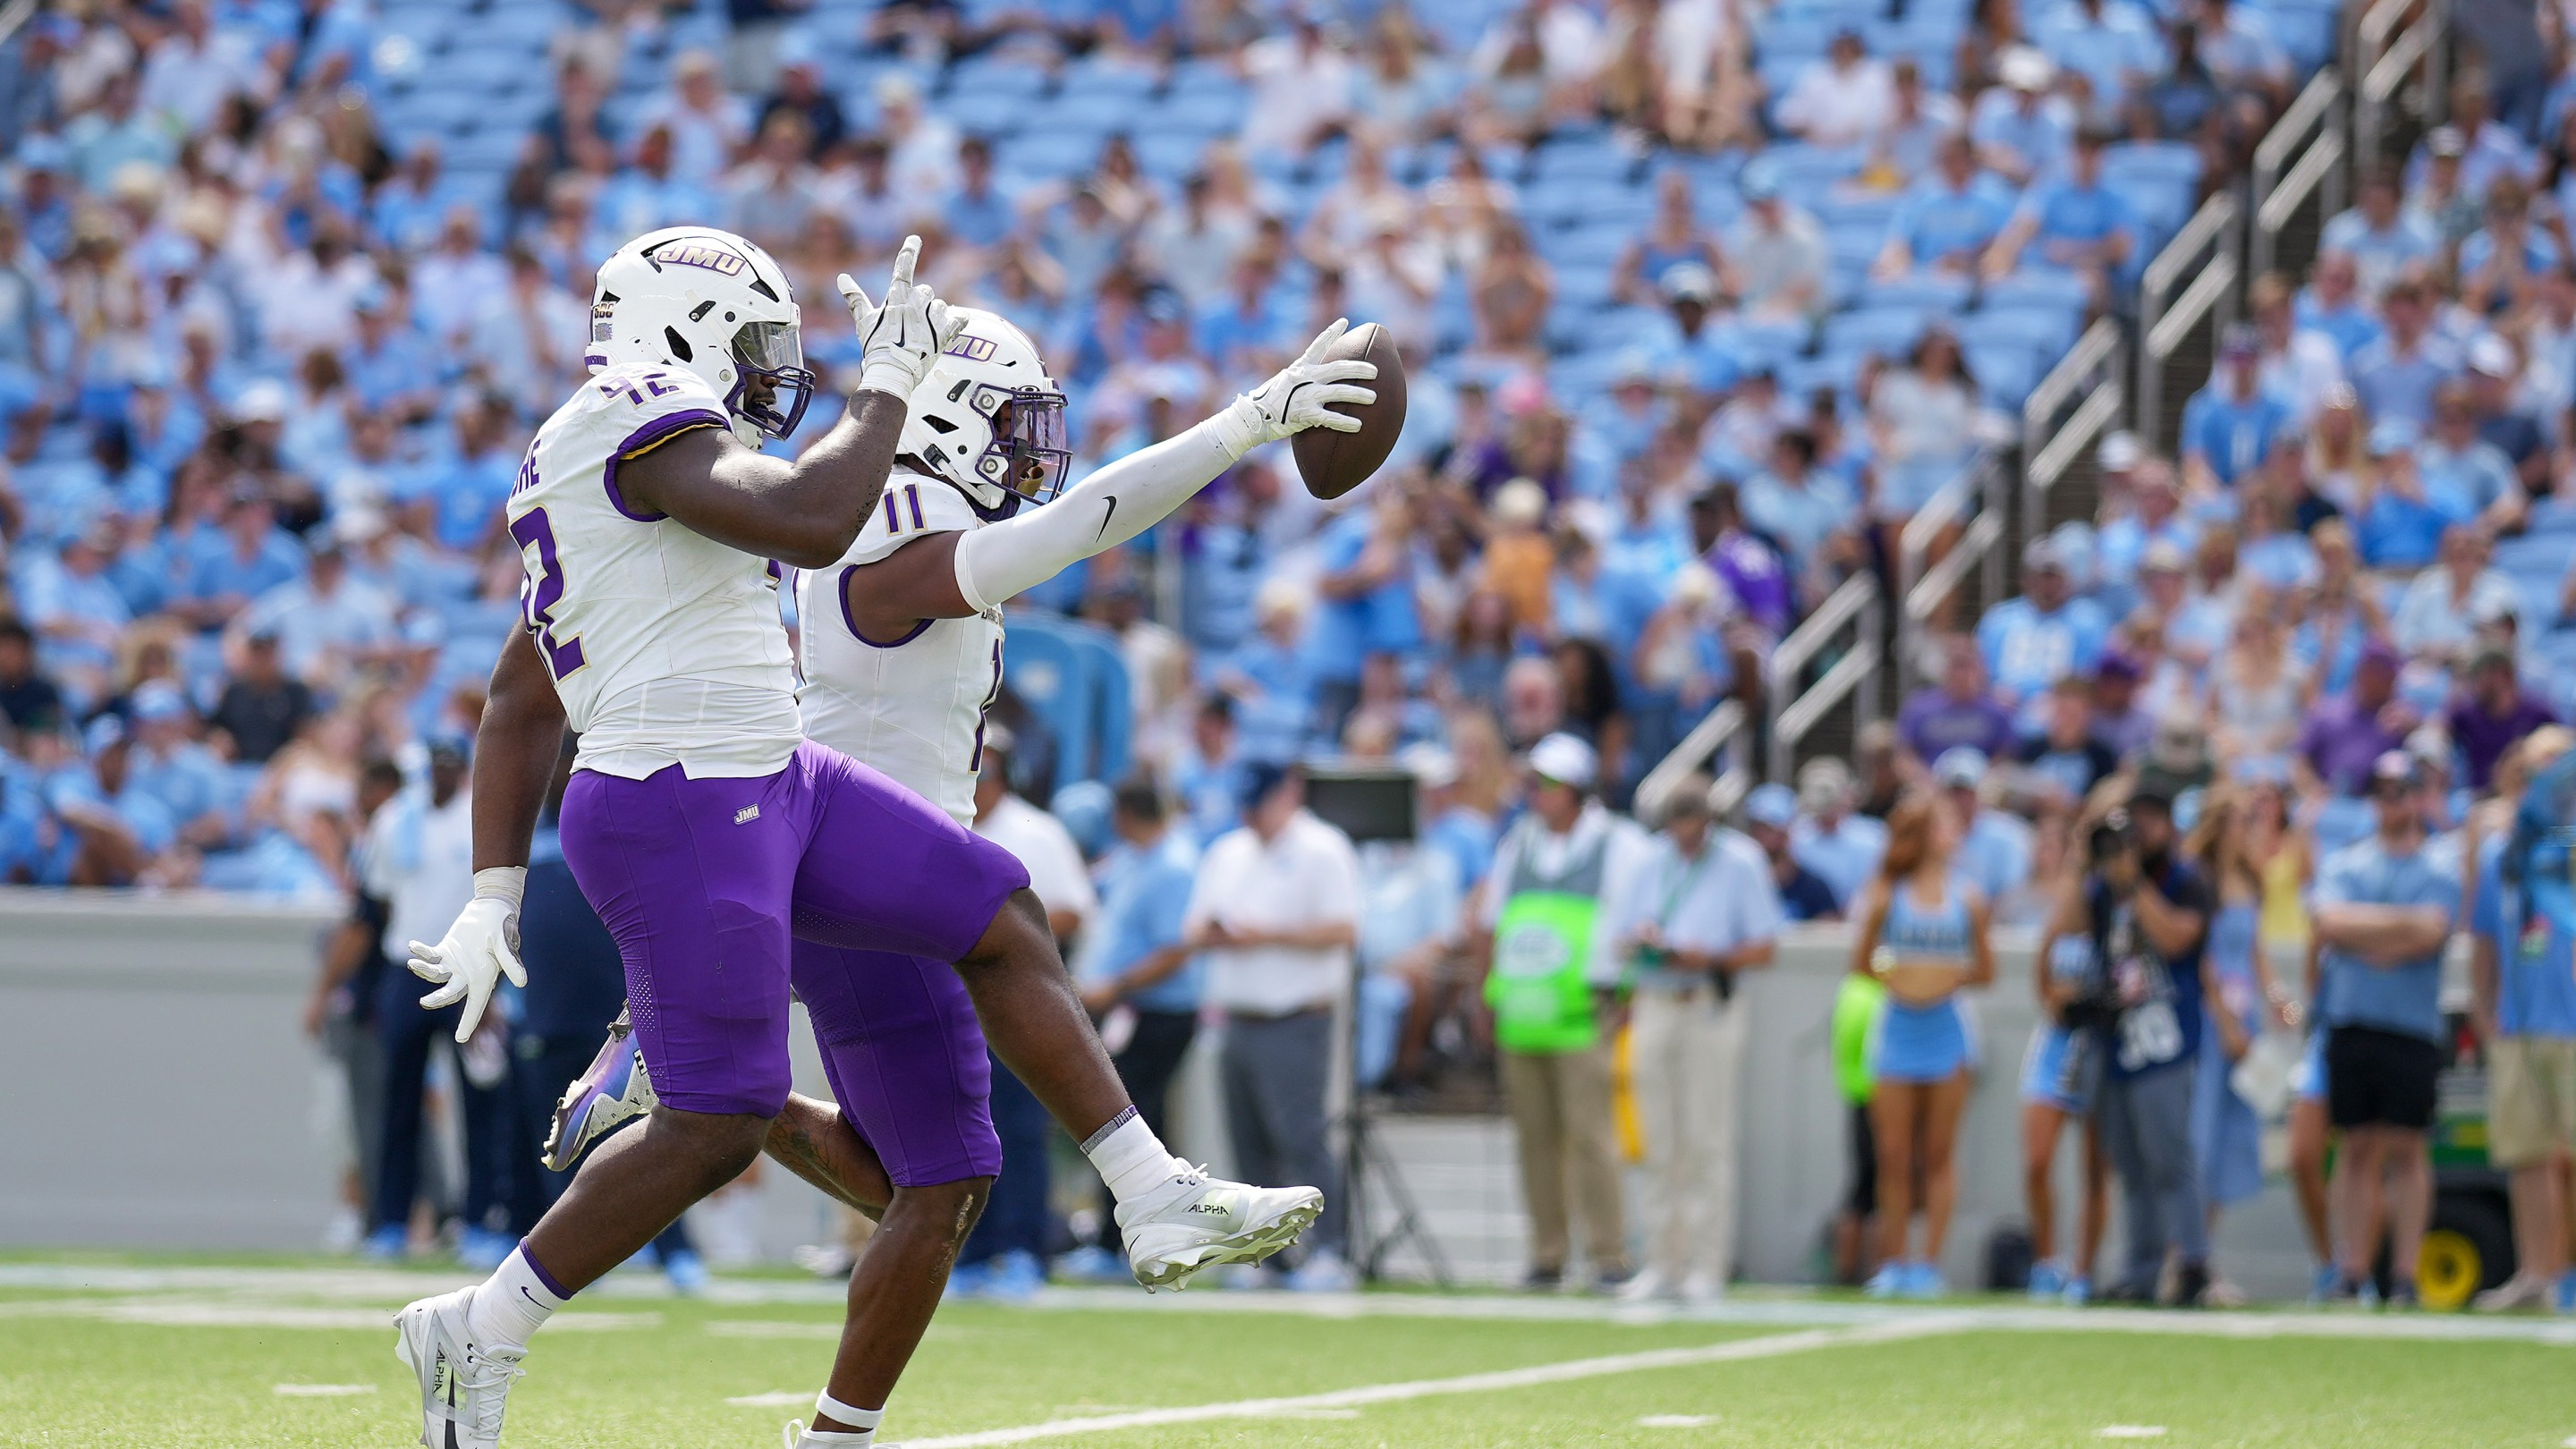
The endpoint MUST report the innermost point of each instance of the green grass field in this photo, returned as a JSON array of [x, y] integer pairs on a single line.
[[176, 1354]]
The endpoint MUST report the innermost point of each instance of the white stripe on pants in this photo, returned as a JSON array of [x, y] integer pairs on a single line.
[[1686, 1067]]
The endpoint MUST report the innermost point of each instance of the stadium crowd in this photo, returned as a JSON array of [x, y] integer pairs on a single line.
[[1700, 305]]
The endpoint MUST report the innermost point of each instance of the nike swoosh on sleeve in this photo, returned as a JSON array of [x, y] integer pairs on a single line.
[[1109, 512]]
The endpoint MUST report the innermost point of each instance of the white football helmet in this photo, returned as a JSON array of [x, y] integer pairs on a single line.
[[987, 419], [715, 304]]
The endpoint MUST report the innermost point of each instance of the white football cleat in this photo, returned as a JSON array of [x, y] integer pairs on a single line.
[[464, 1385], [1195, 1221]]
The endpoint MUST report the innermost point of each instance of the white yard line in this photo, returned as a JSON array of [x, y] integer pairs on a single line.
[[1775, 1346], [262, 1289]]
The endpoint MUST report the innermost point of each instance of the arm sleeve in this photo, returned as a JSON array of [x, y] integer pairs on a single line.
[[1102, 511]]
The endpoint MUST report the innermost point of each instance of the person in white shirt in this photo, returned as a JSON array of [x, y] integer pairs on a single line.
[[420, 863], [1841, 100], [1553, 983], [2298, 365], [1275, 913], [1702, 909], [707, 123], [1005, 1257]]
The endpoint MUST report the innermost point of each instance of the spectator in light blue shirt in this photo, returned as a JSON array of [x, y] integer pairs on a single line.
[[1842, 848], [2382, 911], [2075, 221], [2230, 426], [172, 767], [248, 557], [1947, 220], [2489, 149], [1132, 954], [2021, 130], [2453, 459], [1802, 508], [2032, 641], [977, 213], [2402, 526], [121, 831], [2332, 303], [2522, 992], [1994, 850], [2383, 238], [2395, 375], [2111, 43]]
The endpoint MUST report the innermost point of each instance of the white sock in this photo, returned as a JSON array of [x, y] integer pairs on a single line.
[[1131, 1159], [514, 1302], [863, 1425]]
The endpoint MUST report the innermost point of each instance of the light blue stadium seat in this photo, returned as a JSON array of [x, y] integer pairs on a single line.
[[2532, 553], [1884, 331], [1049, 154], [1167, 154], [1202, 112], [1577, 162], [1871, 210], [1856, 246], [2160, 160], [2035, 288], [2044, 330], [994, 81], [1805, 376], [1130, 83], [1923, 291], [1096, 113], [2005, 373], [2552, 516]]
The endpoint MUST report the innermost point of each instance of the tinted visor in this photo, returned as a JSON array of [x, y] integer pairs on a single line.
[[769, 354], [1030, 451]]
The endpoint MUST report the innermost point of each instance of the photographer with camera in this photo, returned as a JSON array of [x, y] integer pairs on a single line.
[[2146, 912]]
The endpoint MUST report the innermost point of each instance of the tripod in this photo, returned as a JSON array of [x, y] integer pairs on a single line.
[[1364, 1158]]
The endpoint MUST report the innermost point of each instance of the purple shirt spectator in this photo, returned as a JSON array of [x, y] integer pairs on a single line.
[[1959, 712], [2344, 733], [2491, 713]]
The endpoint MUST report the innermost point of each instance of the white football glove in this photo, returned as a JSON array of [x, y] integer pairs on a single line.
[[905, 334], [1298, 398], [480, 949]]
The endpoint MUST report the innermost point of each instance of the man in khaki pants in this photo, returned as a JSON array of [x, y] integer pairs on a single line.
[[1702, 909], [1553, 984], [2522, 984]]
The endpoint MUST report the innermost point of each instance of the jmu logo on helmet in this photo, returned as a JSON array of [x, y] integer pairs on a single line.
[[694, 254], [974, 349]]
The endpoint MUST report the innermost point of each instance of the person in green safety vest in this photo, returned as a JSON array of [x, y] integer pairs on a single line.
[[1553, 984], [1856, 1007]]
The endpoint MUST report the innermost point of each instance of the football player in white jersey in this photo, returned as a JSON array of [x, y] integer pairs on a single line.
[[702, 826]]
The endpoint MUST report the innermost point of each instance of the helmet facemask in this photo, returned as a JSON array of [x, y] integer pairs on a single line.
[[775, 385], [1028, 455]]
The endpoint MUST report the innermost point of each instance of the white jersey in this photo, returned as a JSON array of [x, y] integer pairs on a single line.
[[913, 707], [665, 645]]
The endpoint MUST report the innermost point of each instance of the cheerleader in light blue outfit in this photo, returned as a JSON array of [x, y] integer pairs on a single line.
[[2057, 1073], [2226, 1132], [1923, 935]]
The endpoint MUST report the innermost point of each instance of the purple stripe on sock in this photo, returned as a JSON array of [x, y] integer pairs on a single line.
[[543, 1277], [1088, 1143]]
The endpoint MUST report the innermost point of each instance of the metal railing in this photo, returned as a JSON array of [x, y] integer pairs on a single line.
[[1972, 544], [1712, 734], [2300, 157], [2386, 57], [2053, 434], [2205, 250], [14, 17], [1853, 607]]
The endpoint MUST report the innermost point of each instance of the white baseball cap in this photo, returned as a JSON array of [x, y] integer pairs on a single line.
[[1565, 760]]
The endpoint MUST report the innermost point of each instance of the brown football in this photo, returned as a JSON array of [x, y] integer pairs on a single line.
[[1335, 463]]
